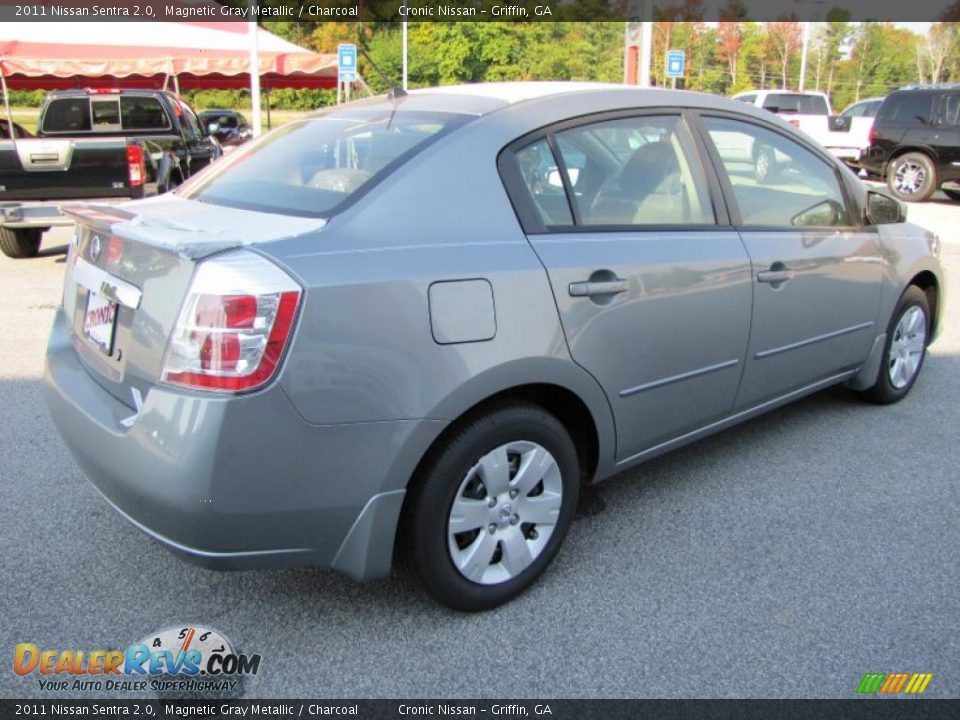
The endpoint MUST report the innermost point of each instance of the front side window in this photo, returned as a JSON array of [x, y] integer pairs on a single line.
[[634, 171], [310, 167], [776, 181]]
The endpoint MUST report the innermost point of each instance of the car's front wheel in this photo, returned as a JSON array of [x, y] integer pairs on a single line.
[[912, 177], [490, 509], [905, 348]]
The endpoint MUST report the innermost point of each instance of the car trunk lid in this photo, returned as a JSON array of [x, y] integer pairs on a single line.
[[129, 269]]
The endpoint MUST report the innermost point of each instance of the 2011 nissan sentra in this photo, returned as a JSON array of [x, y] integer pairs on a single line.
[[426, 320]]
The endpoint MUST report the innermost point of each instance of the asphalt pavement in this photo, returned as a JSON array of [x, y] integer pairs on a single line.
[[786, 557]]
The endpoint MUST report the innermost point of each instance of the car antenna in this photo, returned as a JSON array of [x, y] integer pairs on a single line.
[[395, 92]]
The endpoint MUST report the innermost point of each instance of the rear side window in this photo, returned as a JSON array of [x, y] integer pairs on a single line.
[[951, 109], [65, 115], [311, 167], [796, 104], [747, 99], [907, 107], [143, 113]]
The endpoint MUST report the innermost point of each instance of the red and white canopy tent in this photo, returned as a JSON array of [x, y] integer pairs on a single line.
[[189, 55]]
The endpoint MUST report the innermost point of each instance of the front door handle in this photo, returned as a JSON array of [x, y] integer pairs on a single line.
[[603, 287], [774, 276]]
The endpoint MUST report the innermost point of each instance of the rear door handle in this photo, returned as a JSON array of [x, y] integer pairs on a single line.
[[604, 287], [774, 276]]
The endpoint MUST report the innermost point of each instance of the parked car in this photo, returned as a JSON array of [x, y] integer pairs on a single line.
[[229, 127], [808, 111], [848, 134], [915, 141], [18, 130], [432, 318], [95, 144]]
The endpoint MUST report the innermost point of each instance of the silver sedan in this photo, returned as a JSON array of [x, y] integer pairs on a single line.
[[422, 322]]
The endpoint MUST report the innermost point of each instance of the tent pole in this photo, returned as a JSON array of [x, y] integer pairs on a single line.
[[176, 85], [266, 92], [254, 69], [6, 105], [405, 65]]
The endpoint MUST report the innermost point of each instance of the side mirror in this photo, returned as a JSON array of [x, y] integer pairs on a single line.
[[212, 128], [884, 210]]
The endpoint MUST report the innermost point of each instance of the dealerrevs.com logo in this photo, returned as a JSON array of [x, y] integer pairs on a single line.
[[190, 658]]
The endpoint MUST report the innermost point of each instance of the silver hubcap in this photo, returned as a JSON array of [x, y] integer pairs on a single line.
[[909, 177], [763, 164], [907, 346], [504, 513]]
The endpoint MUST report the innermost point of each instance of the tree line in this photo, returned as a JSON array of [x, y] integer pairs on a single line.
[[847, 60]]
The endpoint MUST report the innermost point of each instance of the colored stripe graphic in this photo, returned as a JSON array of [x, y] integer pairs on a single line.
[[871, 682], [894, 683]]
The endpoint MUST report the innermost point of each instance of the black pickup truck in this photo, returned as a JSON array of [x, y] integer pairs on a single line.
[[95, 145]]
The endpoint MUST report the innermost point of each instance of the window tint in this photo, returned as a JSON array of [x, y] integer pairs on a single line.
[[143, 113], [634, 171], [951, 109], [541, 176], [775, 180], [907, 107], [67, 115], [309, 167], [798, 104], [105, 113], [854, 111]]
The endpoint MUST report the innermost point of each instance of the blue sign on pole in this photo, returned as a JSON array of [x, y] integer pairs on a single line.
[[676, 61], [347, 62]]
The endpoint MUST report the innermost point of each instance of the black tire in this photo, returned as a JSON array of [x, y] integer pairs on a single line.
[[884, 392], [432, 493], [926, 184], [20, 243], [765, 166], [952, 194]]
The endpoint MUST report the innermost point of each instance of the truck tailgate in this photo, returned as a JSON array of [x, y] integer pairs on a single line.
[[61, 169]]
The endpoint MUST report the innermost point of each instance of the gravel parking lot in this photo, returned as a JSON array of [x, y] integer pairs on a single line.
[[785, 557]]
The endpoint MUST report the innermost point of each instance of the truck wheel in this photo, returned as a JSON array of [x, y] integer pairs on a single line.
[[22, 243], [912, 177], [765, 166]]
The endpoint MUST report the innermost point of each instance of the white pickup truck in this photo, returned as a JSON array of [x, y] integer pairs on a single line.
[[845, 135]]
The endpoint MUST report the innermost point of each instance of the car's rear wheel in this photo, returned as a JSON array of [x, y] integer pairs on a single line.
[[904, 350], [20, 243], [490, 509], [912, 177]]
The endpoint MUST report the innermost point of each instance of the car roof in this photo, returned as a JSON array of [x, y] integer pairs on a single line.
[[775, 91]]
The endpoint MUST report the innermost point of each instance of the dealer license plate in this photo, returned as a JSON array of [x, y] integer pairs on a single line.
[[100, 321]]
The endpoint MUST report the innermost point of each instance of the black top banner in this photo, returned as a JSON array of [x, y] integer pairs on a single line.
[[502, 710], [479, 10]]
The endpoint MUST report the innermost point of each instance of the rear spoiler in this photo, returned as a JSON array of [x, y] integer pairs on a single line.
[[101, 217]]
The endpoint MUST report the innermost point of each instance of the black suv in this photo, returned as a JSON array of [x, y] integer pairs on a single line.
[[915, 141]]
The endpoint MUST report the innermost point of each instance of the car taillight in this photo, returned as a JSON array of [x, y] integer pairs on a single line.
[[135, 166], [234, 326], [795, 123], [872, 135]]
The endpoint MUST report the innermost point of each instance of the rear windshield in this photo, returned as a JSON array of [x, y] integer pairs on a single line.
[[311, 167], [798, 104], [104, 114]]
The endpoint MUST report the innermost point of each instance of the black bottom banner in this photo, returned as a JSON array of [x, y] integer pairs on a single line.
[[560, 709]]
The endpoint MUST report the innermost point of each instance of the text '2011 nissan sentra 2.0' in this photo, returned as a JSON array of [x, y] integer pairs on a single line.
[[423, 321]]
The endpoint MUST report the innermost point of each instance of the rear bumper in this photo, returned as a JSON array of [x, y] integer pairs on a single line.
[[235, 482]]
